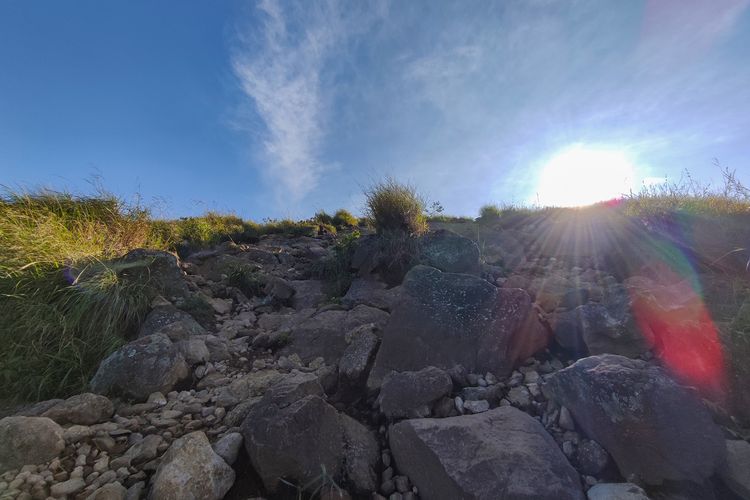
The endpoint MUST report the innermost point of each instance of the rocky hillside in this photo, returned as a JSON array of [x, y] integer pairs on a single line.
[[500, 370]]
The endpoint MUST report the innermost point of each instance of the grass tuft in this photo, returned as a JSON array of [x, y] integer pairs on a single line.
[[396, 207]]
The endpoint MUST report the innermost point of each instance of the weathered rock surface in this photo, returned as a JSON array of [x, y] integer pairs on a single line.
[[616, 491], [172, 322], [149, 364], [190, 470], [370, 292], [652, 426], [83, 409], [324, 334], [358, 356], [28, 440], [297, 440], [449, 252], [736, 472], [610, 328], [447, 319], [307, 294], [502, 453], [411, 394]]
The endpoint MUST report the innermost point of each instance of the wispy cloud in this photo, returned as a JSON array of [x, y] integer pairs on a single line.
[[280, 68]]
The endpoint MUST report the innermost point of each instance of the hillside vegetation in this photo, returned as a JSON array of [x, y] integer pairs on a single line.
[[66, 303]]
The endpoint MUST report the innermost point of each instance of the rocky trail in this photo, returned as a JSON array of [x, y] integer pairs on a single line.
[[465, 380]]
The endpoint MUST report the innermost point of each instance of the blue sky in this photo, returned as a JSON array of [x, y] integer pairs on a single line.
[[274, 108]]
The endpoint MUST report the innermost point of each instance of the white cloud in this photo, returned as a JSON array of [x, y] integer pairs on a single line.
[[281, 73]]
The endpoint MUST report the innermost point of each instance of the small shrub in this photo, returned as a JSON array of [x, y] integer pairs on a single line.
[[490, 213], [200, 310], [321, 217], [343, 218], [396, 207], [247, 279], [335, 270]]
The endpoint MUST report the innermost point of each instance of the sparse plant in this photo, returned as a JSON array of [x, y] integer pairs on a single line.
[[200, 310], [343, 218], [490, 213], [322, 486], [247, 279], [335, 269], [393, 206], [321, 217]]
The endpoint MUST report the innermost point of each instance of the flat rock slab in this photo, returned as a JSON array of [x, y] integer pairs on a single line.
[[500, 454]]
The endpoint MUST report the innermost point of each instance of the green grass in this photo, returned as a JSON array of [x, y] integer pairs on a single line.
[[392, 206], [247, 279], [335, 270], [344, 219]]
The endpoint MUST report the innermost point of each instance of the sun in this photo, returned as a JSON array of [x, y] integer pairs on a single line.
[[581, 175]]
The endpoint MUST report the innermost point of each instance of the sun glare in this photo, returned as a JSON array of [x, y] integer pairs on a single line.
[[581, 175]]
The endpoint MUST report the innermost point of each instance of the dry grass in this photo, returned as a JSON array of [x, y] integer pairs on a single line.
[[392, 206]]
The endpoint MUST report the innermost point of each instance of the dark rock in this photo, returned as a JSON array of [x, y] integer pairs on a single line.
[[298, 441], [307, 294], [358, 356], [149, 364], [616, 491], [736, 473], [502, 453], [566, 327], [82, 409], [445, 319], [411, 394], [324, 334], [449, 252], [370, 292], [591, 458], [278, 288], [653, 427], [610, 328], [170, 321]]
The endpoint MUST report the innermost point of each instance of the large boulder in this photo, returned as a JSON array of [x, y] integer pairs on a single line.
[[449, 252], [191, 470], [28, 441], [502, 453], [411, 394], [448, 319], [616, 491], [653, 427], [358, 356], [81, 409], [307, 294], [609, 327], [297, 441], [170, 321], [736, 471], [370, 292], [159, 269], [144, 366], [324, 334]]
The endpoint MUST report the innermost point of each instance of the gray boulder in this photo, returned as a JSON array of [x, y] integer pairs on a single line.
[[307, 294], [448, 319], [502, 453], [652, 427], [149, 364], [358, 356], [228, 447], [190, 470], [370, 292], [82, 409], [279, 288], [324, 334], [736, 472], [299, 440], [28, 441], [172, 322], [616, 491], [449, 252], [411, 394], [610, 327]]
